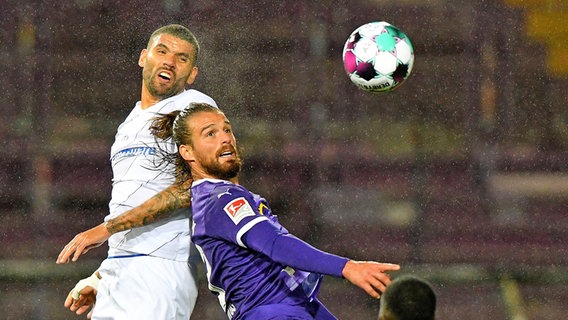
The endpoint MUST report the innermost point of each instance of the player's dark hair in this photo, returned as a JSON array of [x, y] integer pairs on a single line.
[[174, 126], [177, 31], [409, 298]]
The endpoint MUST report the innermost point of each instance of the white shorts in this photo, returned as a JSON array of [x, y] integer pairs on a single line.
[[145, 287]]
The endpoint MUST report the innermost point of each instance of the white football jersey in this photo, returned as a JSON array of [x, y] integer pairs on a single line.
[[136, 178]]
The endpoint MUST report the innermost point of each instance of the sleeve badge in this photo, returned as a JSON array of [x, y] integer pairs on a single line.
[[237, 209]]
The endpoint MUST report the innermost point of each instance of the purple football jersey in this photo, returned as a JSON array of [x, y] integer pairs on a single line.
[[241, 244]]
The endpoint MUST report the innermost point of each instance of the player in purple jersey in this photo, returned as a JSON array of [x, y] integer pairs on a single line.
[[257, 269]]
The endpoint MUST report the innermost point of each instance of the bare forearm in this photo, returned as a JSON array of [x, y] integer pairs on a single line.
[[174, 197], [159, 206]]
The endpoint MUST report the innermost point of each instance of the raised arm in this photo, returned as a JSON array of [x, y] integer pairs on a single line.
[[291, 251], [159, 206]]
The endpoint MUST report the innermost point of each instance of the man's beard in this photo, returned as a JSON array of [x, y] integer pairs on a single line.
[[157, 91], [225, 171]]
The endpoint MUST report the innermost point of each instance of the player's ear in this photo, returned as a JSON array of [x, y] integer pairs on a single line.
[[192, 76], [186, 152], [142, 58]]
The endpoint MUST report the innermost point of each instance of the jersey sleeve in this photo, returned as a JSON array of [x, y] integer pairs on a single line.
[[233, 212], [287, 249], [236, 218]]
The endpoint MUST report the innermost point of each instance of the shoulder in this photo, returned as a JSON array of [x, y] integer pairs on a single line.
[[188, 96], [219, 191], [224, 197], [182, 100]]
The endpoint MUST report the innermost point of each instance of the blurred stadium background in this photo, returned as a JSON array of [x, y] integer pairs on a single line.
[[460, 175]]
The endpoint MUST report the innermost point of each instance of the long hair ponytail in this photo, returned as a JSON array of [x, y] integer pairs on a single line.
[[174, 126]]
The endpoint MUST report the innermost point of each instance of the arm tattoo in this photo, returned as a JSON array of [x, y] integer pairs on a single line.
[[159, 206]]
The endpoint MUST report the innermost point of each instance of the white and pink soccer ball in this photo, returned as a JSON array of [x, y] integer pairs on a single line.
[[378, 57]]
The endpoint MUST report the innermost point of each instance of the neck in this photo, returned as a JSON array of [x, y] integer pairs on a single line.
[[197, 176], [147, 99], [234, 180]]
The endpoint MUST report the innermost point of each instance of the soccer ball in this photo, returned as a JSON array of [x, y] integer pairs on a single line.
[[378, 57]]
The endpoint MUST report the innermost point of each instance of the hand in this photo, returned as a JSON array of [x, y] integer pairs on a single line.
[[84, 242], [369, 275], [83, 296]]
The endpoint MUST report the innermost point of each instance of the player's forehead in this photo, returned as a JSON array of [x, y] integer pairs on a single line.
[[171, 42], [204, 119]]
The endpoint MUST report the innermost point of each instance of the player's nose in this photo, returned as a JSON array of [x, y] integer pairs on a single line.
[[226, 137], [169, 61]]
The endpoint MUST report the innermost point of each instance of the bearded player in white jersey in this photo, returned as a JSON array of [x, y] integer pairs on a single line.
[[148, 273]]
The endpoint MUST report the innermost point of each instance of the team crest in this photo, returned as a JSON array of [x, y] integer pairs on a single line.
[[238, 209]]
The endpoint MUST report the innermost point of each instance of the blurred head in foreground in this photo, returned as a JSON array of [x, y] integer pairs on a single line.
[[408, 298]]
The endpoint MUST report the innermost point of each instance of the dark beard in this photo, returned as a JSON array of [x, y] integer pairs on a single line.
[[155, 90], [224, 172]]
